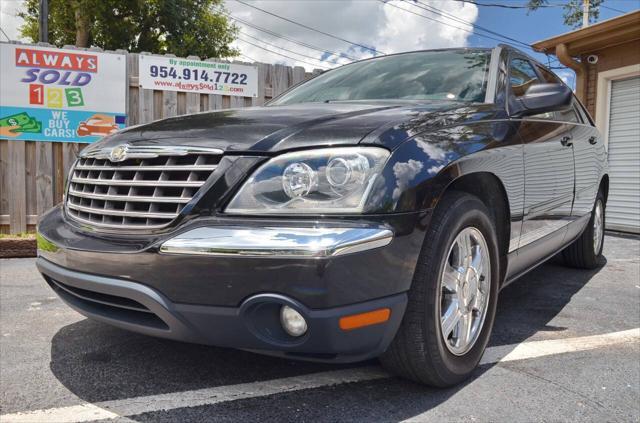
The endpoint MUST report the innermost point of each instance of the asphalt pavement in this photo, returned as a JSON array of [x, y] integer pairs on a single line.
[[565, 347]]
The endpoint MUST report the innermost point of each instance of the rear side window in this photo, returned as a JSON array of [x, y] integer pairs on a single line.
[[522, 76], [569, 115], [549, 77], [586, 118]]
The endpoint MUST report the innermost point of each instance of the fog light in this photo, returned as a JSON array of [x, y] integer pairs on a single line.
[[292, 321]]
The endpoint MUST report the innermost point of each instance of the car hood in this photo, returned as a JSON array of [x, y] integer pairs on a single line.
[[278, 128]]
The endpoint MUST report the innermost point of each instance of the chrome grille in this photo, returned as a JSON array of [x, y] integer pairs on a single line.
[[145, 190]]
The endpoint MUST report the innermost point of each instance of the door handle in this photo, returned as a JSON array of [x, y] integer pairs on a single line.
[[566, 141], [593, 140]]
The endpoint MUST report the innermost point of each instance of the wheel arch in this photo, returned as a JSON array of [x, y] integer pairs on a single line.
[[491, 191], [604, 186]]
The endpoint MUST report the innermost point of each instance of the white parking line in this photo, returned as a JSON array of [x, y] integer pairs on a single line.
[[534, 349], [209, 396]]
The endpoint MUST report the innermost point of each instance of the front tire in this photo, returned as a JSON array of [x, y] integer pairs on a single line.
[[453, 297], [585, 252]]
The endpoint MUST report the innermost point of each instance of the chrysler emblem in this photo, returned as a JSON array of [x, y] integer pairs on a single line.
[[119, 153]]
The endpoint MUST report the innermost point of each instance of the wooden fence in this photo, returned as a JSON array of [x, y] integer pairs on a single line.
[[33, 173]]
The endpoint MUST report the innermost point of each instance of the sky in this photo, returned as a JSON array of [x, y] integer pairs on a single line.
[[363, 28]]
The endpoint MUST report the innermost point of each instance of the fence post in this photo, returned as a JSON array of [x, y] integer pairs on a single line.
[[44, 177], [262, 79], [58, 174], [30, 169], [4, 177], [133, 88], [145, 98], [298, 75], [17, 189], [280, 79]]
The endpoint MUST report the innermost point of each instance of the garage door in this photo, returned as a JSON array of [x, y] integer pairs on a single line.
[[623, 207]]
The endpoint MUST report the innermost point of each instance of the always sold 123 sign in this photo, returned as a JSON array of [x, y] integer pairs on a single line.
[[51, 94], [175, 74]]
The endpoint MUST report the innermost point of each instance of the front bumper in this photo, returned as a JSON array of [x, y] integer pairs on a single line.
[[172, 285], [252, 326]]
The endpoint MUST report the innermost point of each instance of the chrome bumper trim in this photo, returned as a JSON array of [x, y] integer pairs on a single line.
[[277, 242], [148, 151]]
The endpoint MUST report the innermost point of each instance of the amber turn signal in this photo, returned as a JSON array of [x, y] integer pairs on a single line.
[[369, 318]]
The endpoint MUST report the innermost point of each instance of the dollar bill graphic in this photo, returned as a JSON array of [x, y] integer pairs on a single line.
[[15, 120], [33, 127], [24, 123]]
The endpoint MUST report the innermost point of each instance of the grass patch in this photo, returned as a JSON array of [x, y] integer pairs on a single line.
[[45, 245]]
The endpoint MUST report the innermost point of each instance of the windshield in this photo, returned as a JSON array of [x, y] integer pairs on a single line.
[[459, 75]]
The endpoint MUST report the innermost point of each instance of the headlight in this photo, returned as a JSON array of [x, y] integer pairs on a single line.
[[335, 180]]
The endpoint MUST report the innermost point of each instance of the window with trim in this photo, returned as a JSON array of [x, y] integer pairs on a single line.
[[549, 77], [568, 115], [586, 118], [523, 76], [576, 109]]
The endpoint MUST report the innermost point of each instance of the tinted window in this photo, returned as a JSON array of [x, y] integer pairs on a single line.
[[522, 76], [568, 115], [459, 75], [582, 112], [549, 77], [571, 115]]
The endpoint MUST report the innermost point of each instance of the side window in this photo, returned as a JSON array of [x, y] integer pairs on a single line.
[[586, 119], [523, 75], [548, 77], [575, 114], [569, 115]]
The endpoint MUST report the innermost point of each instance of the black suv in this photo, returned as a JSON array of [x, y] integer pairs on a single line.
[[375, 210]]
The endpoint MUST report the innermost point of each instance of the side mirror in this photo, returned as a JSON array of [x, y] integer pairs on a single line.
[[543, 98]]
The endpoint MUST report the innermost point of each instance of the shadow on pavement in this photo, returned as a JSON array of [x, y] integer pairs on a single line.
[[98, 362], [530, 303]]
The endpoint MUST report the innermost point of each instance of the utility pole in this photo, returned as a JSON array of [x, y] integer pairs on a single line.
[[43, 21], [585, 13]]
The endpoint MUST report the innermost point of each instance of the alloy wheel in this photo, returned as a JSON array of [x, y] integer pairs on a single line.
[[598, 227], [465, 285]]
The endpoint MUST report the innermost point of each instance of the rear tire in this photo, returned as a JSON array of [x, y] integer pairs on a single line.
[[585, 252], [420, 351]]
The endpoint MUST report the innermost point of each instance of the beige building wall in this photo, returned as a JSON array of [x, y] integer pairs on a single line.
[[608, 58]]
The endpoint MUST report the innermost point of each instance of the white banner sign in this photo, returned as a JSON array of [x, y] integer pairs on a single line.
[[51, 94], [176, 74]]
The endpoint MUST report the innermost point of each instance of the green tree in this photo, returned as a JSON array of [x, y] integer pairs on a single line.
[[572, 10], [180, 27]]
